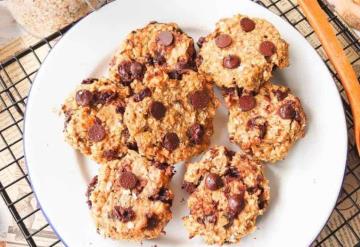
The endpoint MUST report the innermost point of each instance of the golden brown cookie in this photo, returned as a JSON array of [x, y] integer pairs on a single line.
[[130, 198], [268, 124], [228, 191], [171, 119], [157, 44], [242, 52], [94, 120]]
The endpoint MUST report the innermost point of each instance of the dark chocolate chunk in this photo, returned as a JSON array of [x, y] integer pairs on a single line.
[[96, 132], [231, 62], [123, 214], [171, 141], [128, 180], [196, 133], [213, 181], [84, 97]]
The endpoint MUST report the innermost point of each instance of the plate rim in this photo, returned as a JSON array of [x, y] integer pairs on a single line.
[[338, 95]]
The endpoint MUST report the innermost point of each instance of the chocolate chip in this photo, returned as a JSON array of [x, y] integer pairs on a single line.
[[90, 188], [200, 41], [88, 81], [251, 123], [287, 111], [195, 133], [96, 132], [132, 146], [230, 219], [157, 110], [191, 51], [152, 222], [212, 218], [213, 181], [165, 38], [84, 97], [262, 130], [125, 134], [153, 22], [229, 154], [183, 65], [120, 108], [123, 214], [298, 117], [159, 59], [223, 40], [128, 180], [236, 203], [159, 165], [231, 61], [229, 90], [280, 95], [199, 99], [247, 102], [104, 97], [164, 195], [175, 75], [262, 126], [125, 73], [247, 24], [231, 174], [262, 204], [169, 170], [140, 186], [142, 94], [252, 190], [149, 60], [137, 70], [171, 141], [267, 48], [188, 187], [198, 60], [110, 154], [200, 220]]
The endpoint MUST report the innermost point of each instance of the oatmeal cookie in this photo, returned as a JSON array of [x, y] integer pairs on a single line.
[[157, 44], [94, 120], [267, 124], [171, 119], [228, 191], [130, 198], [242, 52]]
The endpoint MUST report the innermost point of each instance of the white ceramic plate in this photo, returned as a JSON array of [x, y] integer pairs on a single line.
[[304, 187]]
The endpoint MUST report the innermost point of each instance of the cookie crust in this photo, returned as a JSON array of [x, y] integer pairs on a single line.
[[255, 49], [227, 212]]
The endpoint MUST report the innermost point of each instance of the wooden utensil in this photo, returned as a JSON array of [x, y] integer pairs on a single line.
[[334, 51]]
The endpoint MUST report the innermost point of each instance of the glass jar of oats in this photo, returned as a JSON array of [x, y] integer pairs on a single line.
[[43, 17]]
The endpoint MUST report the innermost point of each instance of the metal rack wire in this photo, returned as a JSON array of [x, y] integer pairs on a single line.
[[17, 74]]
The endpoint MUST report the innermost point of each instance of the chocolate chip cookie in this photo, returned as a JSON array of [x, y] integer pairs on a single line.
[[267, 124], [130, 198], [157, 44], [242, 52], [94, 120], [228, 191], [170, 117]]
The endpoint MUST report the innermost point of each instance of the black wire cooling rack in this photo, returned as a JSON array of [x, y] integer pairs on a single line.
[[17, 74]]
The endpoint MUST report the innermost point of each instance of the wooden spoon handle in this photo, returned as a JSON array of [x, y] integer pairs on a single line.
[[334, 51]]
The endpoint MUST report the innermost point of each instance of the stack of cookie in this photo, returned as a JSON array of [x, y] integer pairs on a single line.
[[156, 109]]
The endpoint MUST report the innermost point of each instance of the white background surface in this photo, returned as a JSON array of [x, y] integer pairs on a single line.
[[304, 187]]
